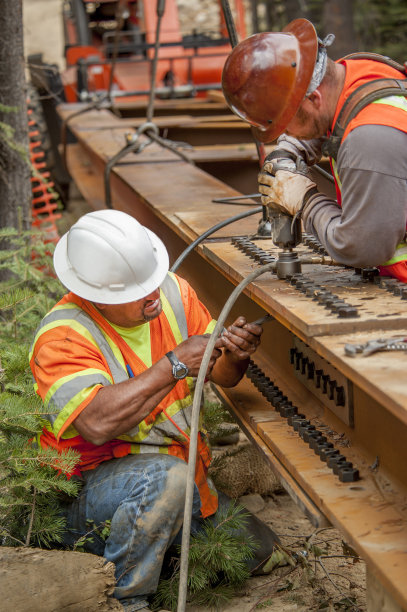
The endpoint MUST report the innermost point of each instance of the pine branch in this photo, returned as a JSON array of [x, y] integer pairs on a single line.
[[18, 296], [30, 525], [31, 479], [217, 563]]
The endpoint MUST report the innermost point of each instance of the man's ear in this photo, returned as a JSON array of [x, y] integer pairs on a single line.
[[315, 98]]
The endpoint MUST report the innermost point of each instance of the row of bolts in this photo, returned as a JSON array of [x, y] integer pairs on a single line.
[[299, 281], [308, 432], [313, 437]]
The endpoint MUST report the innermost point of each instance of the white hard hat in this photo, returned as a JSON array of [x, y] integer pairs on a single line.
[[109, 257]]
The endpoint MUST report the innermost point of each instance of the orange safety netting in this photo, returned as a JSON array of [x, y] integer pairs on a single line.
[[44, 196]]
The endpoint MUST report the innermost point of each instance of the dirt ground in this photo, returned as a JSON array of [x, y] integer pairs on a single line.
[[323, 577]]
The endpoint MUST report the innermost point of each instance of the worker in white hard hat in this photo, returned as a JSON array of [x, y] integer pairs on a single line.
[[114, 362]]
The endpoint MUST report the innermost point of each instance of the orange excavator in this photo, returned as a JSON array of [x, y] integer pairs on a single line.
[[109, 47], [116, 50]]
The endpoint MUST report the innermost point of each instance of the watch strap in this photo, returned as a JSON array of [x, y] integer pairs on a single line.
[[179, 369]]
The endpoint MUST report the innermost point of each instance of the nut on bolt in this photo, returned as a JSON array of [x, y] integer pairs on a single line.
[[326, 453], [323, 447], [348, 474]]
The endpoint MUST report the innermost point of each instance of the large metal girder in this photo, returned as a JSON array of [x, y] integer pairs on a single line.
[[362, 410]]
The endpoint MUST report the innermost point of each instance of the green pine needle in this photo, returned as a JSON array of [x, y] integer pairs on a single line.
[[217, 563], [31, 479]]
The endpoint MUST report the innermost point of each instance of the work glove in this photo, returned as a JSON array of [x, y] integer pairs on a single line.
[[284, 190], [283, 159]]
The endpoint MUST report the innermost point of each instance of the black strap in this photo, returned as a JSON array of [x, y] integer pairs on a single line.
[[383, 59], [361, 97], [280, 153]]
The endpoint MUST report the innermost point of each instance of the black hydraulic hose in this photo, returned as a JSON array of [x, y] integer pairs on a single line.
[[324, 173], [128, 148], [160, 13], [210, 231], [230, 24]]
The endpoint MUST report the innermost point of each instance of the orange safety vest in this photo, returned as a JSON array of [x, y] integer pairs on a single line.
[[381, 112], [93, 341]]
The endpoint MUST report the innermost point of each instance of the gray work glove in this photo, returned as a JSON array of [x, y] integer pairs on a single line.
[[285, 192], [284, 181], [282, 159]]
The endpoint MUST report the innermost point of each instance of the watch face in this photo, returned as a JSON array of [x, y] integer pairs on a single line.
[[180, 371]]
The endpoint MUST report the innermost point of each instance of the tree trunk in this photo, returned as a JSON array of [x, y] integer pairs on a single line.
[[15, 187], [338, 19]]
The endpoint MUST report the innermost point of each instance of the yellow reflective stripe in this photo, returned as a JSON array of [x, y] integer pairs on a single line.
[[70, 432], [399, 255], [74, 377], [210, 327], [174, 278], [115, 350], [396, 101], [169, 313], [335, 171], [78, 327], [70, 407]]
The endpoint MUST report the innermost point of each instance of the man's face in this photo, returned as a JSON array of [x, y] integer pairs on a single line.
[[134, 313], [309, 122]]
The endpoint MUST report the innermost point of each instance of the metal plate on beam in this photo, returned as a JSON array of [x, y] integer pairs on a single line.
[[376, 308]]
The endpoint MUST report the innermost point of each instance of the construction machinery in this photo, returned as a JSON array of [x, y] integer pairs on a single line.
[[109, 46]]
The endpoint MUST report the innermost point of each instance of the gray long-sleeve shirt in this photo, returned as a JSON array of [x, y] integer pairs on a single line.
[[372, 168]]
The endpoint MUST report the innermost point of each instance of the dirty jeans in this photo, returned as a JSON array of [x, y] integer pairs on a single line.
[[143, 496]]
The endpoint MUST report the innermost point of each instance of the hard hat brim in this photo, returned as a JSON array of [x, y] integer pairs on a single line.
[[307, 38], [106, 295]]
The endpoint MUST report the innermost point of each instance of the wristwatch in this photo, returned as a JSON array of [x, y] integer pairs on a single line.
[[179, 369]]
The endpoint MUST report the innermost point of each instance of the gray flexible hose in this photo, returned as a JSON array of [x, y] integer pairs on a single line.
[[196, 406]]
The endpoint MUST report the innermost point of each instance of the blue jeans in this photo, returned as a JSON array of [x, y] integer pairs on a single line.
[[143, 496]]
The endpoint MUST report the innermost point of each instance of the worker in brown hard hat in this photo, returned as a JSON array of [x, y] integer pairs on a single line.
[[355, 112]]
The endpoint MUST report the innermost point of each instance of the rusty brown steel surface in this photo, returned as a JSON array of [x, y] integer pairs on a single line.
[[192, 106], [376, 308], [175, 200], [258, 413]]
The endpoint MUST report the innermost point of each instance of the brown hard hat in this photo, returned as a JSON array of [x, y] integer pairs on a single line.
[[266, 76]]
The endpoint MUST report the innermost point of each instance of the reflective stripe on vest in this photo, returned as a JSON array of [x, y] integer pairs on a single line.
[[396, 101], [399, 255], [172, 294], [401, 103], [81, 322], [65, 390], [155, 434]]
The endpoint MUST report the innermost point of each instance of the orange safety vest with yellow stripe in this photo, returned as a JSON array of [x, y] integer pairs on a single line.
[[389, 111], [76, 351]]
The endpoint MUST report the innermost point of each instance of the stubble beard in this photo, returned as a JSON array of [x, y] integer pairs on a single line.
[[151, 317]]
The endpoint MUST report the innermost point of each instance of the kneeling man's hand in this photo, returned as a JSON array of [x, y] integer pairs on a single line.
[[241, 339]]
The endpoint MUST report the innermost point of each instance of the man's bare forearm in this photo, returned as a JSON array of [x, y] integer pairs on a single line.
[[227, 371], [116, 409]]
